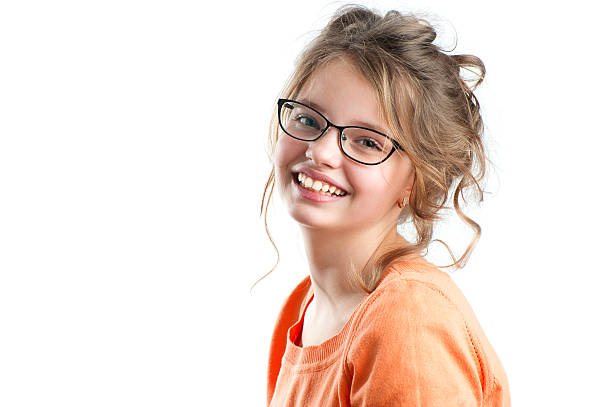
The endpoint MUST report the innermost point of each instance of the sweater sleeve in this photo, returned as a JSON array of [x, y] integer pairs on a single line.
[[412, 348]]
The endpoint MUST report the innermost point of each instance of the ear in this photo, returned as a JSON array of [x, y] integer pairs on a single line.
[[406, 192], [410, 183]]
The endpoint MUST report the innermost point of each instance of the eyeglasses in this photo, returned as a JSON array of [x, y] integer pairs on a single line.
[[360, 144]]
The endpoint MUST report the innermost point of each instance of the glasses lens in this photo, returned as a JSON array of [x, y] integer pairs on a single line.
[[365, 145], [300, 121]]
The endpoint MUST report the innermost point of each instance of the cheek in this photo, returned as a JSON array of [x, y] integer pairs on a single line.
[[375, 186], [287, 153], [366, 180]]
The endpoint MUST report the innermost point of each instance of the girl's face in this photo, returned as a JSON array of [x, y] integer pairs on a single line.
[[340, 92]]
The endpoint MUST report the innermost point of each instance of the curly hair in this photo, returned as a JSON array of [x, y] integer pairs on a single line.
[[428, 106]]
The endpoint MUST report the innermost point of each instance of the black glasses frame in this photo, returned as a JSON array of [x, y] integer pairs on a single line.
[[340, 131]]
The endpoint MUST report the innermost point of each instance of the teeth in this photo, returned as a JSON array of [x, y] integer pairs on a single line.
[[319, 186]]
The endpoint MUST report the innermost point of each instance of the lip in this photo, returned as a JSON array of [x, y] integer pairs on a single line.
[[314, 196], [317, 175]]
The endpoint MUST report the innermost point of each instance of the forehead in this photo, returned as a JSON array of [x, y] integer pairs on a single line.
[[343, 94]]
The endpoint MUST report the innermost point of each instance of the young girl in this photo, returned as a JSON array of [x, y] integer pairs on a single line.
[[375, 128]]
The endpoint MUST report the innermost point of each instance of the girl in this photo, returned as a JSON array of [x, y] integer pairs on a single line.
[[375, 128]]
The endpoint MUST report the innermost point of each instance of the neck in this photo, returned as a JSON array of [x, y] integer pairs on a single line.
[[330, 255]]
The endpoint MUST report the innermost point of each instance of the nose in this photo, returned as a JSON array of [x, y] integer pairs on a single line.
[[326, 149]]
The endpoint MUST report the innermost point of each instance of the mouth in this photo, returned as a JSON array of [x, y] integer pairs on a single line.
[[295, 176]]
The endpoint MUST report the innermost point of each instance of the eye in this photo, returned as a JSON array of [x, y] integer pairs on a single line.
[[372, 144], [308, 121]]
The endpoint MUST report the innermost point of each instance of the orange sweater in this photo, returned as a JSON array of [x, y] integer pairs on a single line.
[[414, 341]]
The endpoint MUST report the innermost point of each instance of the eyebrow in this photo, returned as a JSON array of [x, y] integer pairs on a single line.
[[356, 122]]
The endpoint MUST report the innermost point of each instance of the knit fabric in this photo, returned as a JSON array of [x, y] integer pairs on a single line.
[[414, 341]]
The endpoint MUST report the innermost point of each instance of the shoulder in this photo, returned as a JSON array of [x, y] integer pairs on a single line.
[[404, 305], [294, 303], [411, 345], [288, 315], [300, 293], [416, 337], [416, 304], [414, 292]]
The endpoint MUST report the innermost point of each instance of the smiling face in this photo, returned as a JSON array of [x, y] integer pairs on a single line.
[[343, 95]]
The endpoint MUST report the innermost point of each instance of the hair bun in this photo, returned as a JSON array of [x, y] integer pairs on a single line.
[[470, 63]]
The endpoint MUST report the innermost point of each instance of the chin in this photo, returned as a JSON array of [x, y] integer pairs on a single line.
[[310, 220]]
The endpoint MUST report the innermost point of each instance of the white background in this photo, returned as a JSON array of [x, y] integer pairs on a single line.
[[132, 165]]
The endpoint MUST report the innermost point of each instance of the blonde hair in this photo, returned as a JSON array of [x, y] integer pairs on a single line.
[[429, 108]]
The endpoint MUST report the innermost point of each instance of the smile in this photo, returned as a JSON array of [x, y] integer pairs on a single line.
[[318, 186], [310, 194]]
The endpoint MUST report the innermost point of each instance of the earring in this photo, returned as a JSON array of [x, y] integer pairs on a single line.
[[402, 204]]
